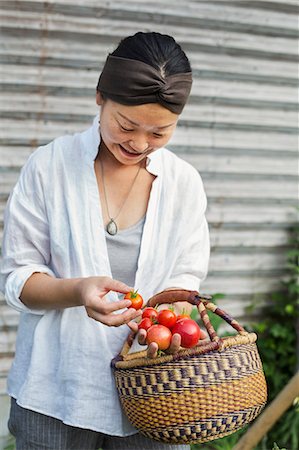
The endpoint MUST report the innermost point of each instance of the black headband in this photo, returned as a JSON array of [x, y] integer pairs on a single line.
[[132, 82]]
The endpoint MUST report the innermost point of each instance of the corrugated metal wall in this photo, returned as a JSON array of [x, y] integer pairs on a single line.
[[239, 128]]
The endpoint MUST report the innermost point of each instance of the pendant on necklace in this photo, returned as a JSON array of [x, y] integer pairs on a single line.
[[112, 228]]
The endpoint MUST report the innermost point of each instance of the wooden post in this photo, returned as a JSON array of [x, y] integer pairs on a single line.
[[270, 415]]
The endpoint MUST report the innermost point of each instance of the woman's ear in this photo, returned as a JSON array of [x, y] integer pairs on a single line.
[[99, 98]]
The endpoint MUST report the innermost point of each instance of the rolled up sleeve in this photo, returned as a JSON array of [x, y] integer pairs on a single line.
[[26, 244]]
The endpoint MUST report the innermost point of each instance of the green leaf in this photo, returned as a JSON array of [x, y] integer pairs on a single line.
[[289, 309]]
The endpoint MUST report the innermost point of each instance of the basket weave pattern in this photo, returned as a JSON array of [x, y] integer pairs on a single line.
[[196, 397]]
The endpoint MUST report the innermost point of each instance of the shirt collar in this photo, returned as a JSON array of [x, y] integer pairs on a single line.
[[91, 139]]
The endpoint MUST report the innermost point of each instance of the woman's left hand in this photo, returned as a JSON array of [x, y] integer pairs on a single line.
[[152, 349], [175, 344]]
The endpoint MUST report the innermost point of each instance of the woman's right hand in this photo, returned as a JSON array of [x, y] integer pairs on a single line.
[[92, 292]]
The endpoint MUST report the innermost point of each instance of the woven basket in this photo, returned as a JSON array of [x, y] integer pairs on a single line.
[[198, 394]]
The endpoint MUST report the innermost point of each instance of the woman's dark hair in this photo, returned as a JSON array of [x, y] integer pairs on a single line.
[[158, 50]]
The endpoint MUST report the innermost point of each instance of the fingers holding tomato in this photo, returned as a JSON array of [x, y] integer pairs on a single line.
[[141, 336], [159, 334], [164, 331], [135, 299], [175, 344], [189, 331], [153, 350]]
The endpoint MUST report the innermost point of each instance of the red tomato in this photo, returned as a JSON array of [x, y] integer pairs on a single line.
[[189, 332], [151, 313], [136, 299], [145, 324], [167, 318], [159, 334]]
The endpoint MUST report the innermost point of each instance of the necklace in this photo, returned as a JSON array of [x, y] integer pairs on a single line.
[[111, 227]]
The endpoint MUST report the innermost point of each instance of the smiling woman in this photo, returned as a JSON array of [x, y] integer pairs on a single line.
[[134, 131], [131, 214]]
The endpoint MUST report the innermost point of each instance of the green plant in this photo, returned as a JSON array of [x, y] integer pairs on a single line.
[[10, 443], [225, 443], [277, 343], [275, 447], [277, 346]]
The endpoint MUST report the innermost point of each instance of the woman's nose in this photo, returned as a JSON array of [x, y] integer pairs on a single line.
[[139, 144]]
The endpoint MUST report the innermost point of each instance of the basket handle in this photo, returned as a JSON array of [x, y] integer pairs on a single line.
[[202, 302]]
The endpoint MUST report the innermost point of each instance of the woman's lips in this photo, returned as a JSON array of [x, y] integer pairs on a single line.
[[129, 153]]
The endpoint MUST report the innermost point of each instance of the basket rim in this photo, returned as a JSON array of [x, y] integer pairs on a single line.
[[139, 359]]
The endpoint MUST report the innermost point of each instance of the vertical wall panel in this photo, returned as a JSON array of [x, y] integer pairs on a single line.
[[239, 128]]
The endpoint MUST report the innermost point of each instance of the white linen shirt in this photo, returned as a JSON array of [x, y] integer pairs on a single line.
[[53, 224]]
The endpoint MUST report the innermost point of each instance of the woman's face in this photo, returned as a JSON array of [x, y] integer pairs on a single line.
[[133, 132]]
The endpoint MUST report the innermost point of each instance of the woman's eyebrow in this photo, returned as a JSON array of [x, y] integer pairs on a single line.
[[126, 118], [137, 124]]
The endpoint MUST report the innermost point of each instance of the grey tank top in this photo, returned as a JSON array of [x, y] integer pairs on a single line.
[[123, 252]]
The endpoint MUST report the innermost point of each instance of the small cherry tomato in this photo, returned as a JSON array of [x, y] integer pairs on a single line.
[[150, 313], [135, 298], [183, 315], [159, 334], [145, 324], [189, 331], [167, 318]]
